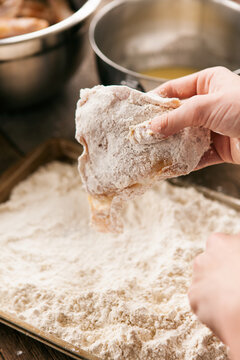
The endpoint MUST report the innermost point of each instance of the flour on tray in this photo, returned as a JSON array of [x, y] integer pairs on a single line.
[[118, 296]]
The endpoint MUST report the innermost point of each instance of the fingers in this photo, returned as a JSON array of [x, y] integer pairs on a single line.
[[193, 112], [211, 103], [197, 302], [202, 264], [199, 83], [214, 281], [193, 298], [214, 239], [221, 151], [235, 150], [223, 147], [211, 157], [182, 88]]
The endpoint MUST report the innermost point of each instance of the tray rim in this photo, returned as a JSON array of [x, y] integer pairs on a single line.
[[214, 195], [14, 174], [47, 339]]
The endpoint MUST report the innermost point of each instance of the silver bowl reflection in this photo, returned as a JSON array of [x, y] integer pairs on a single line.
[[34, 66], [132, 36]]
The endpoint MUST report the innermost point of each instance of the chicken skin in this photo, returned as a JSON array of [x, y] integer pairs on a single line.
[[122, 157]]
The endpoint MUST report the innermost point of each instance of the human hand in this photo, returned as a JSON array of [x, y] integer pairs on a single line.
[[212, 100], [215, 292]]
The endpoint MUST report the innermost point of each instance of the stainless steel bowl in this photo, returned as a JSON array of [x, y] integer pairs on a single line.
[[129, 36], [35, 65]]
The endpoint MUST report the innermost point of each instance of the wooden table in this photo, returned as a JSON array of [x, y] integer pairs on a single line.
[[16, 346], [20, 132]]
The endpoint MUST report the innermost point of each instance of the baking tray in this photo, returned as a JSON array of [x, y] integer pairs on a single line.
[[68, 151], [54, 149]]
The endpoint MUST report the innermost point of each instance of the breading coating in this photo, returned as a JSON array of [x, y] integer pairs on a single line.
[[122, 157]]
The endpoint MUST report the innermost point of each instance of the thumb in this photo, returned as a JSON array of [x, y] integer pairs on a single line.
[[195, 111]]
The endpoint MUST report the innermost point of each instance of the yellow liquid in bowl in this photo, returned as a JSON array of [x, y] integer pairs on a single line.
[[169, 72]]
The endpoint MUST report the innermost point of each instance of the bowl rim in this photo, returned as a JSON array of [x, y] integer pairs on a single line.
[[87, 9], [97, 50], [107, 8]]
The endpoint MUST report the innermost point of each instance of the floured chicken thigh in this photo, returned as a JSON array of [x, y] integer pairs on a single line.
[[122, 157]]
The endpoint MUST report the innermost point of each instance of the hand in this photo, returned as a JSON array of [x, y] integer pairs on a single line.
[[215, 291], [212, 101]]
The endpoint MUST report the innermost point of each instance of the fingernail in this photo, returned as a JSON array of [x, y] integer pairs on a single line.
[[157, 125]]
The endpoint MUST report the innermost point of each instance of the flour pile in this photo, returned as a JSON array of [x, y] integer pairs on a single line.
[[118, 296]]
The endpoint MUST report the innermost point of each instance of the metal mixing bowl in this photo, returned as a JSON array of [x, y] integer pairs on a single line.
[[35, 65], [130, 36]]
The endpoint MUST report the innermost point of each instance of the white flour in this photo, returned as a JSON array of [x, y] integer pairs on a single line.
[[118, 296]]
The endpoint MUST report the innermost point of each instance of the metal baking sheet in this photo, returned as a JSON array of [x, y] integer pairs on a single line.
[[54, 149], [47, 339], [210, 194], [67, 151]]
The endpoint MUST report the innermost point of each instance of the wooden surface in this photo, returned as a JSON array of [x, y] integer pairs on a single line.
[[16, 346]]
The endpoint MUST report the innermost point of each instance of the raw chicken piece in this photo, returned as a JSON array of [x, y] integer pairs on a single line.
[[37, 9], [61, 9], [51, 10], [17, 26], [122, 157], [19, 17], [9, 8]]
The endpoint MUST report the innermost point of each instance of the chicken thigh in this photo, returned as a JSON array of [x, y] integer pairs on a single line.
[[122, 157]]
